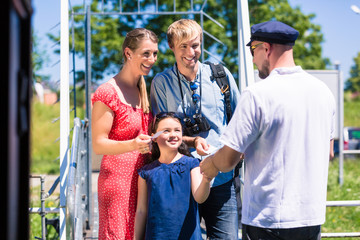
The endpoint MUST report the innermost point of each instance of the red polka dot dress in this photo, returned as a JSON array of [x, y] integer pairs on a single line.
[[117, 182]]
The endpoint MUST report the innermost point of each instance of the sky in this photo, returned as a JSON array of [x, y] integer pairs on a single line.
[[339, 25]]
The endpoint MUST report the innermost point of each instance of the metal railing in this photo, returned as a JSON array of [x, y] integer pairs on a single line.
[[352, 203], [42, 211], [77, 197]]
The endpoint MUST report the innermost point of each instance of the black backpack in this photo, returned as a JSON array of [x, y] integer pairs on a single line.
[[218, 72]]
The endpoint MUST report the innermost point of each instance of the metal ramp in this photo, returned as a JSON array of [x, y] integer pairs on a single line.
[[70, 220]]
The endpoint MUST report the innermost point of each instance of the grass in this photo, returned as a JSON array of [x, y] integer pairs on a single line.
[[45, 144], [343, 219], [44, 147]]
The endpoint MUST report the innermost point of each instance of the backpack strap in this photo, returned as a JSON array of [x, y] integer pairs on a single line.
[[219, 74]]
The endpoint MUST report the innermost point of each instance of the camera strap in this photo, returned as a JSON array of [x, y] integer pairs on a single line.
[[182, 94]]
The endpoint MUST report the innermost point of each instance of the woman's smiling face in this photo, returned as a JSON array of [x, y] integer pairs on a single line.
[[144, 57]]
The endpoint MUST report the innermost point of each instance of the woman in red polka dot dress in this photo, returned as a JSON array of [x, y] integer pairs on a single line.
[[120, 120]]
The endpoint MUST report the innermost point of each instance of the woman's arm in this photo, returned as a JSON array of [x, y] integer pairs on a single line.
[[101, 123], [200, 185], [141, 210]]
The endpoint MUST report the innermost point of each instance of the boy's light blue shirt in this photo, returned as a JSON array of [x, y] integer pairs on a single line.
[[165, 96]]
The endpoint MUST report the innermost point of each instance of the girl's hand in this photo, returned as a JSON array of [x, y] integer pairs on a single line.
[[142, 143]]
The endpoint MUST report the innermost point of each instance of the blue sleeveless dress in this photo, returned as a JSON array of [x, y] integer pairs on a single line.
[[172, 210]]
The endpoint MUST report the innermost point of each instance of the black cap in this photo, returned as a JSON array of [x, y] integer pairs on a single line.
[[273, 32]]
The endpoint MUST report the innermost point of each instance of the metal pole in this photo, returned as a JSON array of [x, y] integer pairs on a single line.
[[64, 111], [241, 83], [340, 103], [202, 41], [42, 208], [246, 69], [73, 60], [88, 112]]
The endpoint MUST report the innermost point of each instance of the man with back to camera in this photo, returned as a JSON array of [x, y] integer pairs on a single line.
[[285, 127], [189, 89]]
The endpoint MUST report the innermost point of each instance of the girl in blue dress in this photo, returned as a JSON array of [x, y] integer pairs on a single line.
[[170, 186]]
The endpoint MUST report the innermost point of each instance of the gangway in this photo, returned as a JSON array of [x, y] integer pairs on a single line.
[[245, 72]]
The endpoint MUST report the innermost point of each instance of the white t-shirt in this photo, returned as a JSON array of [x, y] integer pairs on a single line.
[[284, 125]]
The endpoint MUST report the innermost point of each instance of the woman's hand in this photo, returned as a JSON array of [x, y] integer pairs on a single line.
[[142, 143]]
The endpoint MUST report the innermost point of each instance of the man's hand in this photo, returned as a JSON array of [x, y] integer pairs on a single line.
[[208, 168]]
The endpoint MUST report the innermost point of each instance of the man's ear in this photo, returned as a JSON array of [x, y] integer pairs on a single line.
[[171, 46], [268, 48]]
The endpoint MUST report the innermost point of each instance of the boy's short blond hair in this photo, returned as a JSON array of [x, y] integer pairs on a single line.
[[183, 30]]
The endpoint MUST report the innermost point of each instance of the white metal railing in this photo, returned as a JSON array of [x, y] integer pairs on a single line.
[[350, 203], [340, 235], [351, 152]]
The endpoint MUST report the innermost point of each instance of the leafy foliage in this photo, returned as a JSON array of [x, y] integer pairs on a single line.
[[307, 49], [39, 58], [352, 113], [353, 83], [108, 31]]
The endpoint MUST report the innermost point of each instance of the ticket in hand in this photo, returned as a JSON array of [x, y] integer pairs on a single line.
[[211, 150], [157, 134]]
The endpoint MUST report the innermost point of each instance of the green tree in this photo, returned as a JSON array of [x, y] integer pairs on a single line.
[[108, 31], [353, 83], [39, 58], [307, 49]]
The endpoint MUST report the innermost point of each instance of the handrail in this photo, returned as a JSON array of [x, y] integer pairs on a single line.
[[77, 199], [351, 151], [340, 235], [53, 187], [42, 211], [349, 203], [71, 186]]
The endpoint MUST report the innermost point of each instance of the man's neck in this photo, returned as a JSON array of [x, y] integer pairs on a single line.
[[189, 73], [283, 60]]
